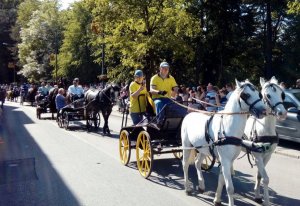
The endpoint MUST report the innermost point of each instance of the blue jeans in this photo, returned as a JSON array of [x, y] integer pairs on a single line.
[[136, 117], [159, 104]]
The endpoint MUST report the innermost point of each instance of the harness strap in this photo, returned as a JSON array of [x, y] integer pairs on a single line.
[[229, 140], [266, 139], [207, 136], [273, 107], [252, 105]]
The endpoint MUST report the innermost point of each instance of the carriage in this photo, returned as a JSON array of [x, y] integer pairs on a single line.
[[154, 137], [78, 111], [28, 96], [45, 105]]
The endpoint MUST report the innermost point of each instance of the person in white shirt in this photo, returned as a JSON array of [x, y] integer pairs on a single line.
[[75, 91]]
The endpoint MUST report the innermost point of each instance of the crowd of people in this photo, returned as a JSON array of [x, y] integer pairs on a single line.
[[163, 89]]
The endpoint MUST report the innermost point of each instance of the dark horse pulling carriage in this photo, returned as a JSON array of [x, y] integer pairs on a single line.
[[46, 104], [29, 96], [155, 137], [88, 108]]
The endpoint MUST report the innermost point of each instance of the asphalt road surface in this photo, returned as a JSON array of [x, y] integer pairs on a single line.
[[42, 164]]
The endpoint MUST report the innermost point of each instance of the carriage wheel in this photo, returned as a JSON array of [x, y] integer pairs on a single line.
[[97, 120], [21, 100], [178, 155], [124, 147], [94, 119], [208, 162], [38, 113], [144, 154], [66, 120], [60, 121]]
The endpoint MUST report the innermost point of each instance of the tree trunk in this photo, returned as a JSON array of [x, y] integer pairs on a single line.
[[268, 68]]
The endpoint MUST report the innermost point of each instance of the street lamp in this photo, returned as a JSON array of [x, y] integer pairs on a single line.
[[10, 64]]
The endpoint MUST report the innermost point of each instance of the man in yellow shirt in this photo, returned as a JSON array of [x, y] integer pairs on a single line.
[[138, 91], [162, 87]]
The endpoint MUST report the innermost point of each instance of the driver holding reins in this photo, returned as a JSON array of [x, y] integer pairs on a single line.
[[162, 87], [75, 91]]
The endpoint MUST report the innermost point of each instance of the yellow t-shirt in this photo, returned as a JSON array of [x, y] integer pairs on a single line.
[[137, 104], [161, 84]]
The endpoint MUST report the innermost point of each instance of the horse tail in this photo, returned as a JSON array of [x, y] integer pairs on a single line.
[[192, 156]]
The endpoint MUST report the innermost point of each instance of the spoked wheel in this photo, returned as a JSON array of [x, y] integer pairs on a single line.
[[208, 162], [21, 100], [38, 113], [66, 120], [124, 147], [178, 154], [94, 119], [60, 121], [144, 154]]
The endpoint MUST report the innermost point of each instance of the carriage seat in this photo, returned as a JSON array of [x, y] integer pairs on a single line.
[[171, 117], [79, 103]]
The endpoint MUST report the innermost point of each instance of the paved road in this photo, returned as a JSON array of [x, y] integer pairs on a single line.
[[79, 168]]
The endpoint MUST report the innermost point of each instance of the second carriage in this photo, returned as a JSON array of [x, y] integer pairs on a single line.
[[78, 111], [155, 136]]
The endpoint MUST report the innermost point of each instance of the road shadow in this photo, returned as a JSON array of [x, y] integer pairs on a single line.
[[48, 188], [169, 173]]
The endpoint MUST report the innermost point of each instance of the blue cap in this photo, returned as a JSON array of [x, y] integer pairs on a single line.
[[138, 73], [164, 64]]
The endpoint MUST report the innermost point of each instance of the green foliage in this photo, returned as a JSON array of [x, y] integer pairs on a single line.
[[204, 41], [75, 59]]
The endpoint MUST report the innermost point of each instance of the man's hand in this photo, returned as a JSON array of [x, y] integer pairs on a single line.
[[162, 93]]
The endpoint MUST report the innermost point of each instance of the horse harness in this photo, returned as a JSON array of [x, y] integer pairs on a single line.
[[261, 139], [103, 94]]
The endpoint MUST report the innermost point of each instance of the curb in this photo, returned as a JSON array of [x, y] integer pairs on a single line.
[[287, 154]]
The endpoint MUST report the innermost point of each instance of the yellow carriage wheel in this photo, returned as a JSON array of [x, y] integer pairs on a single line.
[[124, 147], [144, 154], [178, 154], [208, 162]]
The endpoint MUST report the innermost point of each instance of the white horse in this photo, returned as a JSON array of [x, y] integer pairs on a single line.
[[263, 131], [198, 130]]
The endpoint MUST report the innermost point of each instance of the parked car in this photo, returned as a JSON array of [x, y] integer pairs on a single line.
[[289, 129]]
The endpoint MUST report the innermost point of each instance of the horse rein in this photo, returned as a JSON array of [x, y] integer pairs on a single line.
[[109, 98], [244, 97], [206, 112]]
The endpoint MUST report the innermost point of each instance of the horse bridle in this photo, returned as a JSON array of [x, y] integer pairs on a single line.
[[266, 98], [245, 96], [108, 97]]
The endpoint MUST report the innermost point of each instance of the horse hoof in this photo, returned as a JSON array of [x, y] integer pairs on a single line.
[[188, 192], [217, 203], [201, 191], [258, 200]]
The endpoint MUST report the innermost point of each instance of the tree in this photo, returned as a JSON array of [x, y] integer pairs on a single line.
[[39, 38], [144, 34], [75, 58]]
